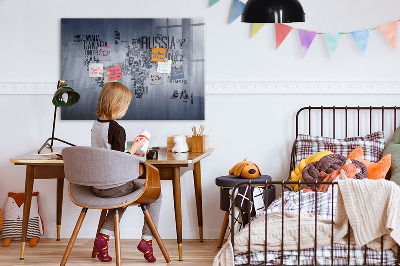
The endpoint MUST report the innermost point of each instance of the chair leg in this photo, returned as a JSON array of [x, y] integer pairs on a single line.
[[154, 230], [101, 222], [73, 237], [223, 229], [117, 238]]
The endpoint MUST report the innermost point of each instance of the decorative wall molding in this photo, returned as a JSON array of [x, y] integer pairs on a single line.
[[28, 88], [303, 87], [250, 87]]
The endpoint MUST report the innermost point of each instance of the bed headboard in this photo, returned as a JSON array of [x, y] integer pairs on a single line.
[[344, 121]]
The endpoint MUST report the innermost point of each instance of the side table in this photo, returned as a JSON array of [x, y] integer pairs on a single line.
[[226, 183]]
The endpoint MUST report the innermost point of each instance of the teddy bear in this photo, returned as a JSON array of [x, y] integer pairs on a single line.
[[180, 144], [13, 215], [245, 169]]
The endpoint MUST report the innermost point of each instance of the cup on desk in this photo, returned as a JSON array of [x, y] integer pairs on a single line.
[[152, 155]]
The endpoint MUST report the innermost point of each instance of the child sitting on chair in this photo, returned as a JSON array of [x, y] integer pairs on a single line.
[[114, 100]]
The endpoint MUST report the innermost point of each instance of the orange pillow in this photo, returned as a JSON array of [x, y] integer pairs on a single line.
[[375, 170]]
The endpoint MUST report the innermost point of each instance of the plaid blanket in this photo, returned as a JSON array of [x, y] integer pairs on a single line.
[[323, 205]]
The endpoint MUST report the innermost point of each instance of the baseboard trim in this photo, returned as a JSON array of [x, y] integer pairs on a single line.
[[247, 87]]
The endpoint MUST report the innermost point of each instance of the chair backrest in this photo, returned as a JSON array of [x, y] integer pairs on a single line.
[[92, 166]]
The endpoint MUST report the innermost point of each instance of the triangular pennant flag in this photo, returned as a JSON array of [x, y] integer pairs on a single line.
[[281, 31], [361, 37], [332, 41], [306, 39], [237, 9], [256, 28], [213, 2], [390, 32]]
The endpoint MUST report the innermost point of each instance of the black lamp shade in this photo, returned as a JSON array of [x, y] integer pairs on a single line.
[[60, 101], [273, 11]]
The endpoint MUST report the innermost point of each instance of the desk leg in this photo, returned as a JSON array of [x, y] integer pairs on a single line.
[[176, 182], [60, 190], [27, 206], [199, 204]]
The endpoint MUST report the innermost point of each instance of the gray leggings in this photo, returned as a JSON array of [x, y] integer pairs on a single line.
[[154, 208]]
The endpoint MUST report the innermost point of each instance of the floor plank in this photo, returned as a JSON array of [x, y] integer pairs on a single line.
[[50, 252]]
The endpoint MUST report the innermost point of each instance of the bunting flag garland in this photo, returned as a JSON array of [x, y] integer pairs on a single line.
[[256, 28], [237, 9], [281, 31], [332, 41], [306, 39], [213, 2], [389, 30], [361, 38]]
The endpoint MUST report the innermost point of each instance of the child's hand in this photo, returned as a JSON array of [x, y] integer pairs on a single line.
[[142, 155], [137, 144]]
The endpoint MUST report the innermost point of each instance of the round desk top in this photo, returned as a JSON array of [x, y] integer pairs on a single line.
[[230, 181]]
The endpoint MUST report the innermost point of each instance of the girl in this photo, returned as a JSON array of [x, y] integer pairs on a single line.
[[114, 100]]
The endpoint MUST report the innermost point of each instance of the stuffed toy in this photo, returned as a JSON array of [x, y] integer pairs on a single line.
[[245, 169], [13, 215], [375, 170], [180, 144], [296, 174]]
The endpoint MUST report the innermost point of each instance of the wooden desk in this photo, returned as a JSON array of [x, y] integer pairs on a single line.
[[168, 164]]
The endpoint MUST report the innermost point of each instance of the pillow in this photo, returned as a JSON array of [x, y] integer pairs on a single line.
[[393, 148], [375, 170], [372, 144]]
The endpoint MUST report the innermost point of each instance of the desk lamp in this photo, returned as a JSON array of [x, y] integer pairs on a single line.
[[273, 11], [64, 96]]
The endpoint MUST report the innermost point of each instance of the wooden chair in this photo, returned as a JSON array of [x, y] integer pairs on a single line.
[[85, 167]]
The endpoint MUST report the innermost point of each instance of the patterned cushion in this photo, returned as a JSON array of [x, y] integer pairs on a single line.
[[372, 144]]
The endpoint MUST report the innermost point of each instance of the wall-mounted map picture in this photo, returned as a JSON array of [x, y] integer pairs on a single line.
[[160, 60]]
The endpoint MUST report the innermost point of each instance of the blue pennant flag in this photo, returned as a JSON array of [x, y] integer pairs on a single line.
[[213, 2], [237, 9], [332, 41], [361, 38]]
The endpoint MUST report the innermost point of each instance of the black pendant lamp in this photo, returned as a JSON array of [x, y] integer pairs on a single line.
[[273, 11]]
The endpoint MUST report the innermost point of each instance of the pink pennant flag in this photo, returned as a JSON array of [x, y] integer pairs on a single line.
[[389, 30], [306, 39], [281, 31]]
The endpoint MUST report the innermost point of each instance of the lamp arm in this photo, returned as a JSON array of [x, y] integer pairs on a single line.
[[54, 126]]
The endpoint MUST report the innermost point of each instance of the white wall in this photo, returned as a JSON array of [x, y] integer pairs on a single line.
[[259, 127]]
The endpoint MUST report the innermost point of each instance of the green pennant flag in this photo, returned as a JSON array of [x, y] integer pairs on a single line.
[[332, 41], [213, 2]]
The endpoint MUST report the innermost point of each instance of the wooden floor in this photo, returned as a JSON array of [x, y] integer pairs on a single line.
[[50, 252]]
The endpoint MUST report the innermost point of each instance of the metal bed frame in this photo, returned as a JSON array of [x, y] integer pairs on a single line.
[[283, 184]]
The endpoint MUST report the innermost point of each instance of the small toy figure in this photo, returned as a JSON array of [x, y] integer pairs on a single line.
[[180, 144]]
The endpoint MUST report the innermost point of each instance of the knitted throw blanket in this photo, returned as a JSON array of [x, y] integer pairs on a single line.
[[274, 235], [373, 209]]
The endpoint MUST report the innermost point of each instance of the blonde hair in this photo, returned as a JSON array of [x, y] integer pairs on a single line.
[[112, 100]]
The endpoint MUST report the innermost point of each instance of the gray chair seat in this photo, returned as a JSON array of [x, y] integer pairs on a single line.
[[83, 196]]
